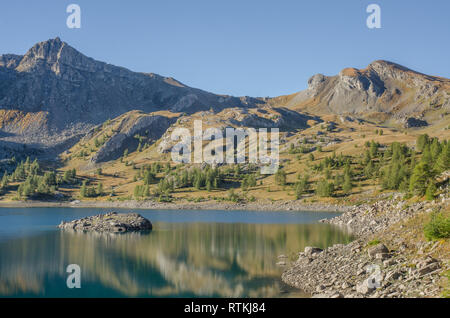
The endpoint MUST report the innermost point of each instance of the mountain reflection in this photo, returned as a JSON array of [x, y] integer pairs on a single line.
[[175, 260]]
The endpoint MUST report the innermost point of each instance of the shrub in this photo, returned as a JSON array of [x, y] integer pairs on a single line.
[[373, 242], [324, 188], [280, 177], [438, 227]]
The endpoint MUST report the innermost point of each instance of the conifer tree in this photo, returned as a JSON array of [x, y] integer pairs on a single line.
[[419, 178], [430, 192], [347, 186]]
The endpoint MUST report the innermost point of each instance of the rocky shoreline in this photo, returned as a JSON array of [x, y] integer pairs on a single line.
[[132, 204], [385, 260], [111, 222]]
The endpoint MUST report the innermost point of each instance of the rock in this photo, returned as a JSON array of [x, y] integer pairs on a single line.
[[343, 267], [132, 124], [360, 272], [310, 251], [320, 288], [382, 256], [429, 268], [345, 285], [111, 222], [389, 262], [363, 288], [377, 249], [393, 275]]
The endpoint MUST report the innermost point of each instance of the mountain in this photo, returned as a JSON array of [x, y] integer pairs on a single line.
[[54, 93], [384, 90], [53, 96]]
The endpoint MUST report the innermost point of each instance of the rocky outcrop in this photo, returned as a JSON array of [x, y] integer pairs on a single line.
[[110, 222], [150, 127], [74, 93], [264, 117], [383, 87], [367, 267]]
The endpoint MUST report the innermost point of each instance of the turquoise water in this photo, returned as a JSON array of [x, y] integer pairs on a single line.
[[188, 254]]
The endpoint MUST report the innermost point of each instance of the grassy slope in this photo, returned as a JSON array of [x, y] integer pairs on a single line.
[[353, 135]]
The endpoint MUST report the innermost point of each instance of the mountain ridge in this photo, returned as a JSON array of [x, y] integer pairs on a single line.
[[53, 95], [75, 92], [382, 87]]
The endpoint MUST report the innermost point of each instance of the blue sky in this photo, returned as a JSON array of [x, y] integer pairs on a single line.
[[239, 47]]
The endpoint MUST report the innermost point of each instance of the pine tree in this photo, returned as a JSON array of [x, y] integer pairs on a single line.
[[83, 190], [422, 141], [149, 177], [367, 157], [198, 182], [280, 177], [435, 148], [347, 186], [443, 161], [146, 191], [100, 189], [301, 186], [252, 181], [373, 149], [325, 188], [419, 178], [369, 169], [430, 192], [426, 155], [137, 193], [5, 180], [67, 176], [244, 183], [237, 171]]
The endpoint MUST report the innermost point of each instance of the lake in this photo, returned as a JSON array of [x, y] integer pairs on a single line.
[[188, 253]]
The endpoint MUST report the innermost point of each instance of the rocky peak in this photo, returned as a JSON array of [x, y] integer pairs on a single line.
[[315, 80], [383, 65], [71, 93], [53, 55], [315, 84], [10, 60], [381, 87]]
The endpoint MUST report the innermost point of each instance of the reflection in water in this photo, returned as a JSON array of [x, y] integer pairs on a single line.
[[175, 260]]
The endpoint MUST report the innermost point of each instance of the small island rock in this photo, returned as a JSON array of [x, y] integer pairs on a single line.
[[111, 222]]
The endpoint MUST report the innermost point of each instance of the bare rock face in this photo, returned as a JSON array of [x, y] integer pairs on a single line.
[[110, 222], [60, 94], [150, 126], [239, 118], [383, 87]]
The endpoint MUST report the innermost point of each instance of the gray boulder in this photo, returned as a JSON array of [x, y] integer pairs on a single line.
[[377, 249], [110, 222]]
